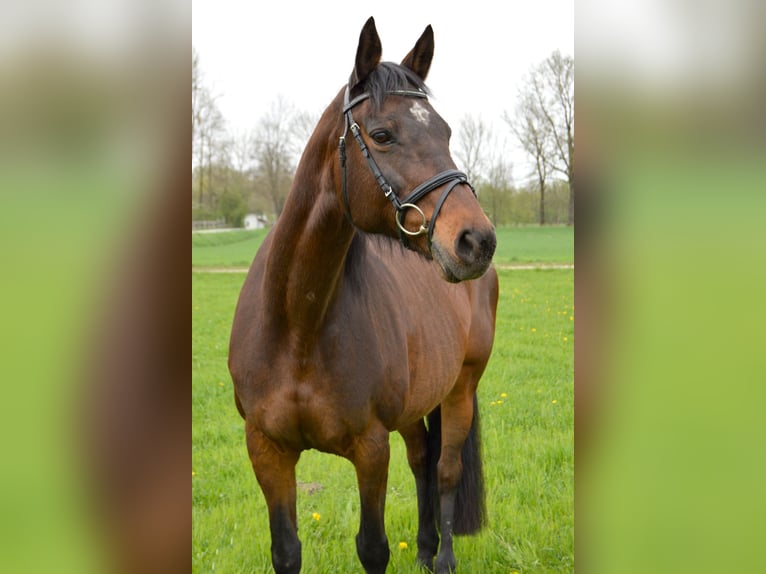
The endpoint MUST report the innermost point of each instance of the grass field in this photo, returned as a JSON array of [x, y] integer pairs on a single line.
[[526, 403], [514, 245]]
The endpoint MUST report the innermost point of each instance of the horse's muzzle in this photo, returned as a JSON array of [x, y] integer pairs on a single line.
[[472, 254]]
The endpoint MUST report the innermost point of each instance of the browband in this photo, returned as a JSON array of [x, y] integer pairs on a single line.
[[347, 105]]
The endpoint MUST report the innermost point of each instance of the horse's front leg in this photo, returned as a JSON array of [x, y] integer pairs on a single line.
[[370, 457], [416, 439], [275, 470]]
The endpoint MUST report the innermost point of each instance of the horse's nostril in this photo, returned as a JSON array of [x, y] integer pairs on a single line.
[[473, 246], [466, 246]]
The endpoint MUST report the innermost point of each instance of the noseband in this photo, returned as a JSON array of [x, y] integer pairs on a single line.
[[450, 176]]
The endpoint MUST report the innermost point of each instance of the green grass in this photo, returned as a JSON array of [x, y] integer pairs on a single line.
[[550, 244], [226, 248], [514, 245], [526, 403]]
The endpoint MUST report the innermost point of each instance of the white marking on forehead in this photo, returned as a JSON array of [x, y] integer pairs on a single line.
[[421, 114]]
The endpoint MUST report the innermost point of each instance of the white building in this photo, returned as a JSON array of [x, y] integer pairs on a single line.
[[253, 221]]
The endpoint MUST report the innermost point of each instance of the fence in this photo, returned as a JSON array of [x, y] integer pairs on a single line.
[[209, 224]]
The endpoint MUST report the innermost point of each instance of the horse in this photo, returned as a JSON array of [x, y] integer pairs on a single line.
[[369, 309]]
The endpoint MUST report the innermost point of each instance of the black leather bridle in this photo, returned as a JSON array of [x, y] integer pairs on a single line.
[[452, 177]]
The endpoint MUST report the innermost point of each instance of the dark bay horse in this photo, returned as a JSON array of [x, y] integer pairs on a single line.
[[370, 308]]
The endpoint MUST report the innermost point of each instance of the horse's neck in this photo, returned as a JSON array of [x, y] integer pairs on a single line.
[[304, 268]]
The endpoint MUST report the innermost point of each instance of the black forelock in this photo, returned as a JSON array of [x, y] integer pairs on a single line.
[[388, 77]]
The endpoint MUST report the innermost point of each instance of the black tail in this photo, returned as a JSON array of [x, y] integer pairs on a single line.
[[470, 507]]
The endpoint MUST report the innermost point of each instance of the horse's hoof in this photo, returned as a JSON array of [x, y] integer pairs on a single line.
[[426, 562], [446, 564]]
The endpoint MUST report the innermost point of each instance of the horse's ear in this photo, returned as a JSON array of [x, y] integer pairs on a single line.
[[367, 53], [419, 59]]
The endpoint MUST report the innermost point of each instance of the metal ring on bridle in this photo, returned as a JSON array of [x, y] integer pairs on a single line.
[[423, 226]]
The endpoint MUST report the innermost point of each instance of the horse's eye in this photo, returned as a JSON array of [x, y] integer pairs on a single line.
[[382, 136]]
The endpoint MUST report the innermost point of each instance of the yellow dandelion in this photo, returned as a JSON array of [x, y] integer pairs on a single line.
[[554, 401], [402, 546], [534, 330], [499, 402], [504, 395], [221, 384], [492, 404], [316, 516], [571, 318], [565, 339], [194, 473]]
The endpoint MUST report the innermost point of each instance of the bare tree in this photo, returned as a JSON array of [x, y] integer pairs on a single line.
[[211, 132], [208, 132], [242, 150], [556, 99], [544, 122], [532, 131], [471, 147], [276, 150], [302, 127]]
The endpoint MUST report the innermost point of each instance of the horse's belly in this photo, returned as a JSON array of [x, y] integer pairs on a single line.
[[425, 394]]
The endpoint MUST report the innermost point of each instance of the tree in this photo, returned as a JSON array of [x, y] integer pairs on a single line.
[[232, 205], [208, 134], [496, 191], [532, 131], [473, 139], [544, 121], [242, 151], [556, 100], [276, 149]]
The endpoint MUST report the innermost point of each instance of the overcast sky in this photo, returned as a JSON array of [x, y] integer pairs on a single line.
[[251, 52]]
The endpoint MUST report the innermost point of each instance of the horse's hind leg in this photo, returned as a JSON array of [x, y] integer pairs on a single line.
[[416, 439], [456, 421], [275, 470], [370, 457]]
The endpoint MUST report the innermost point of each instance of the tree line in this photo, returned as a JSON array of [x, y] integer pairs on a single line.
[[251, 171]]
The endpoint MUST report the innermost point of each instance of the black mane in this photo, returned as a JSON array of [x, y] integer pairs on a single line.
[[388, 77]]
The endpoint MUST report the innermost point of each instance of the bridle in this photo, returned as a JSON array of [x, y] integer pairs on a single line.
[[451, 176]]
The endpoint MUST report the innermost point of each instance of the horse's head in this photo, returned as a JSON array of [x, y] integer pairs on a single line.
[[395, 153]]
